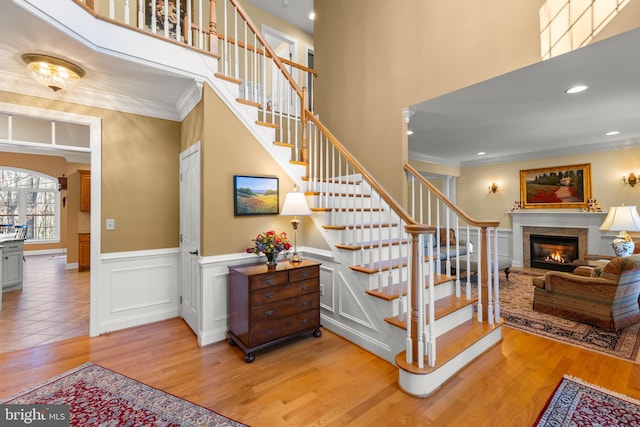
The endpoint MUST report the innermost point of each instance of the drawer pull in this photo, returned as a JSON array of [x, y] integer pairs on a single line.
[[305, 287], [269, 332], [269, 295], [305, 274], [305, 303], [270, 281], [269, 312], [305, 321]]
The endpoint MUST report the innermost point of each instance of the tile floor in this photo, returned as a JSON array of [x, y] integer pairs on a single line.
[[53, 305]]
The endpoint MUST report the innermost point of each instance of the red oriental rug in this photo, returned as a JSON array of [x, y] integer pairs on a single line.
[[576, 403], [98, 396]]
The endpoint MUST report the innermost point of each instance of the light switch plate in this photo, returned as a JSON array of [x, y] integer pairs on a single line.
[[111, 224]]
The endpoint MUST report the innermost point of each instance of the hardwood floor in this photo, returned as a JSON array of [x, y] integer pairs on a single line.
[[327, 380]]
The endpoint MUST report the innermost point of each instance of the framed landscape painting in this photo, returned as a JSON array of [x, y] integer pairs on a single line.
[[255, 195], [556, 187]]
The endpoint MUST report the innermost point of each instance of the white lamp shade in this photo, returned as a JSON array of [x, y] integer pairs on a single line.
[[295, 204], [621, 218]]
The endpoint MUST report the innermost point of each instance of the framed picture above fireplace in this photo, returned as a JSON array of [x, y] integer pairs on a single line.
[[556, 187]]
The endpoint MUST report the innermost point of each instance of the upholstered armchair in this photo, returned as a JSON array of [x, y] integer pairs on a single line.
[[607, 297]]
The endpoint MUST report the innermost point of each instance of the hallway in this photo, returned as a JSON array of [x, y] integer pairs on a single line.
[[52, 306]]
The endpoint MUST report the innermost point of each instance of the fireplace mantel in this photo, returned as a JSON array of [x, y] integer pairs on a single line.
[[560, 219]]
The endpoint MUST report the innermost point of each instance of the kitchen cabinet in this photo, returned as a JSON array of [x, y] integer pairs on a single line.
[[12, 264], [84, 251], [85, 190]]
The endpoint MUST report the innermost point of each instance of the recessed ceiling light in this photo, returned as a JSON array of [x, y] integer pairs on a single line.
[[577, 89], [613, 132], [312, 16], [409, 132], [481, 153]]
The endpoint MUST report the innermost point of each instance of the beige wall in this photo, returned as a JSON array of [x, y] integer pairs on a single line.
[[607, 169], [140, 166], [229, 149], [377, 57]]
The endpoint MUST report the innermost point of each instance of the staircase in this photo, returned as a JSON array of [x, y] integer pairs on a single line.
[[414, 308]]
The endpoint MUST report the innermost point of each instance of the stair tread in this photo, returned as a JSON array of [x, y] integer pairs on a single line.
[[444, 306], [451, 344], [359, 226], [267, 124], [375, 267], [332, 181], [228, 78], [371, 244], [401, 288], [321, 193], [247, 102]]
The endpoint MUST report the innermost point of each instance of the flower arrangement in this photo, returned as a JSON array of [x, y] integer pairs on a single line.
[[159, 12], [271, 244]]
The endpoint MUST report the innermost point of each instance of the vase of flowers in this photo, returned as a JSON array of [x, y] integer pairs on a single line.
[[271, 244]]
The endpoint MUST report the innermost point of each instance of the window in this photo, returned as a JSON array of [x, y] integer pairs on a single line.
[[31, 198]]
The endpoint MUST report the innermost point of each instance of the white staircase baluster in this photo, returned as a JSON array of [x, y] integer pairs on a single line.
[[496, 280]]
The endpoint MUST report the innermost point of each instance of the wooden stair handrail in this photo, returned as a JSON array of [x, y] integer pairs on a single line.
[[443, 198], [416, 226]]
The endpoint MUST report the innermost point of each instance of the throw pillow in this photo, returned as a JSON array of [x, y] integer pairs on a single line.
[[596, 272]]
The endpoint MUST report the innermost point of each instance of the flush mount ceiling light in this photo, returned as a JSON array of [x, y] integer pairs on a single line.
[[613, 132], [576, 89], [55, 73]]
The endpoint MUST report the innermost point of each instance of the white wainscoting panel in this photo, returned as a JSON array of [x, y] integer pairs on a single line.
[[138, 287]]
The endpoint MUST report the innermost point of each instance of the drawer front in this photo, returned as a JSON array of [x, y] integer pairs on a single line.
[[285, 307], [288, 290], [278, 328], [271, 279], [304, 273]]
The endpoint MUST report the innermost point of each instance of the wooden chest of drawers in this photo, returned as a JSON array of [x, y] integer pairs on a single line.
[[268, 306]]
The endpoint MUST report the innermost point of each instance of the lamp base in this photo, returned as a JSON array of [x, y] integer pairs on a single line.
[[623, 247], [295, 258]]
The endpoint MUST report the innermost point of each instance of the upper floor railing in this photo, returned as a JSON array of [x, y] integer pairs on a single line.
[[243, 52]]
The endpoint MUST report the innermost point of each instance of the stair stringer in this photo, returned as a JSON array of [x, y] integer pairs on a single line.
[[229, 92]]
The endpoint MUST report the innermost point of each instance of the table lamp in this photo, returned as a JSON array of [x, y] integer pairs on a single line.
[[622, 219], [295, 204]]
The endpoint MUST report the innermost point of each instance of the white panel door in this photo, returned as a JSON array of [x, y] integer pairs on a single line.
[[190, 236]]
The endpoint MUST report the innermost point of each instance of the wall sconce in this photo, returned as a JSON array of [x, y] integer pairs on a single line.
[[493, 188], [632, 179], [55, 73], [62, 183]]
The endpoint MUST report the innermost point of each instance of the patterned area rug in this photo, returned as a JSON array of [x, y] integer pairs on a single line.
[[98, 396], [516, 302], [575, 403]]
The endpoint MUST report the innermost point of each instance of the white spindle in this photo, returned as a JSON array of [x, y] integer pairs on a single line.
[[432, 319], [112, 9], [479, 274], [127, 13], [469, 250], [496, 273], [489, 279], [236, 52], [200, 32]]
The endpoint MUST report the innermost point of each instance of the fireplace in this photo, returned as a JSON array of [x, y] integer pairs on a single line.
[[553, 252]]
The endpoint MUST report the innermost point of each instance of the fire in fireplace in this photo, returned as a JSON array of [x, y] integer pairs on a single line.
[[553, 252]]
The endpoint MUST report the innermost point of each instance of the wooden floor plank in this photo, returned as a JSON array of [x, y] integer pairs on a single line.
[[326, 380]]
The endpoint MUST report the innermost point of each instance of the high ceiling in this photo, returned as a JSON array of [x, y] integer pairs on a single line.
[[522, 115], [526, 114], [295, 12]]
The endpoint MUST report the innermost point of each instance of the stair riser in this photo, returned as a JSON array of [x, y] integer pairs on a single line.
[[352, 236], [394, 307]]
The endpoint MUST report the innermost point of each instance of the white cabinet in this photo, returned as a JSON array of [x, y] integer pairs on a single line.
[[12, 254]]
